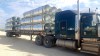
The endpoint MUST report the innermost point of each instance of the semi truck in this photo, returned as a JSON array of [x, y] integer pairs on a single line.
[[62, 28]]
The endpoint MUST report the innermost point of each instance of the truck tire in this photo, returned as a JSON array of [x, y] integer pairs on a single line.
[[39, 40], [49, 41]]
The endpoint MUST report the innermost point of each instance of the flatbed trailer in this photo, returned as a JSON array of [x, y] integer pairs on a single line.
[[12, 25]]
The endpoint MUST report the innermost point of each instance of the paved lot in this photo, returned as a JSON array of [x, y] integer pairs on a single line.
[[22, 46]]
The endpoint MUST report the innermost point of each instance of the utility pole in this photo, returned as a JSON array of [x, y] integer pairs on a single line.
[[78, 9], [77, 34]]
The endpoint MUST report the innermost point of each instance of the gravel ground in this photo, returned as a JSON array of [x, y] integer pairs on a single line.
[[22, 46]]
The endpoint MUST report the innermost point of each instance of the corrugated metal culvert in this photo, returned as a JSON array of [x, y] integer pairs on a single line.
[[37, 18], [12, 23]]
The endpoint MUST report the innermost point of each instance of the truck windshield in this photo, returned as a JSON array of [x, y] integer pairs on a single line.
[[86, 20]]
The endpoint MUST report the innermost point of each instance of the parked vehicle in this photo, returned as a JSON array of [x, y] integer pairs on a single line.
[[62, 28]]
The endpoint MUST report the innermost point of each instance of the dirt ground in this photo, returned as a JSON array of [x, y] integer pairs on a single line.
[[22, 46]]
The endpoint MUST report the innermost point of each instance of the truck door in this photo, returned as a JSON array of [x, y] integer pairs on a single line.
[[63, 27]]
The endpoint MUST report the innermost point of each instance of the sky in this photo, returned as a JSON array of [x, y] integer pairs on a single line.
[[9, 8]]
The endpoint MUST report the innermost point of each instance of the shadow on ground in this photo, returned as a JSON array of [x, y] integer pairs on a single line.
[[29, 46]]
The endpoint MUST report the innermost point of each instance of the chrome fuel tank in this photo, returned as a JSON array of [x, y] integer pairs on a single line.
[[67, 43]]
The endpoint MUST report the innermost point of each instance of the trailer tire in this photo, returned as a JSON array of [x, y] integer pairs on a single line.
[[39, 40], [10, 34], [7, 34], [49, 41]]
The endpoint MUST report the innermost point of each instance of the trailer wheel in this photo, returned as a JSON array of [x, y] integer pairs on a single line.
[[7, 34], [10, 34], [39, 40], [49, 41]]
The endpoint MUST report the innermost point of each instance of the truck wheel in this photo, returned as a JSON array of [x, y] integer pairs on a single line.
[[39, 40], [49, 41]]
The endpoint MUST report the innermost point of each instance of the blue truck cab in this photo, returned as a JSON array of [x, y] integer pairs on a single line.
[[65, 24]]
